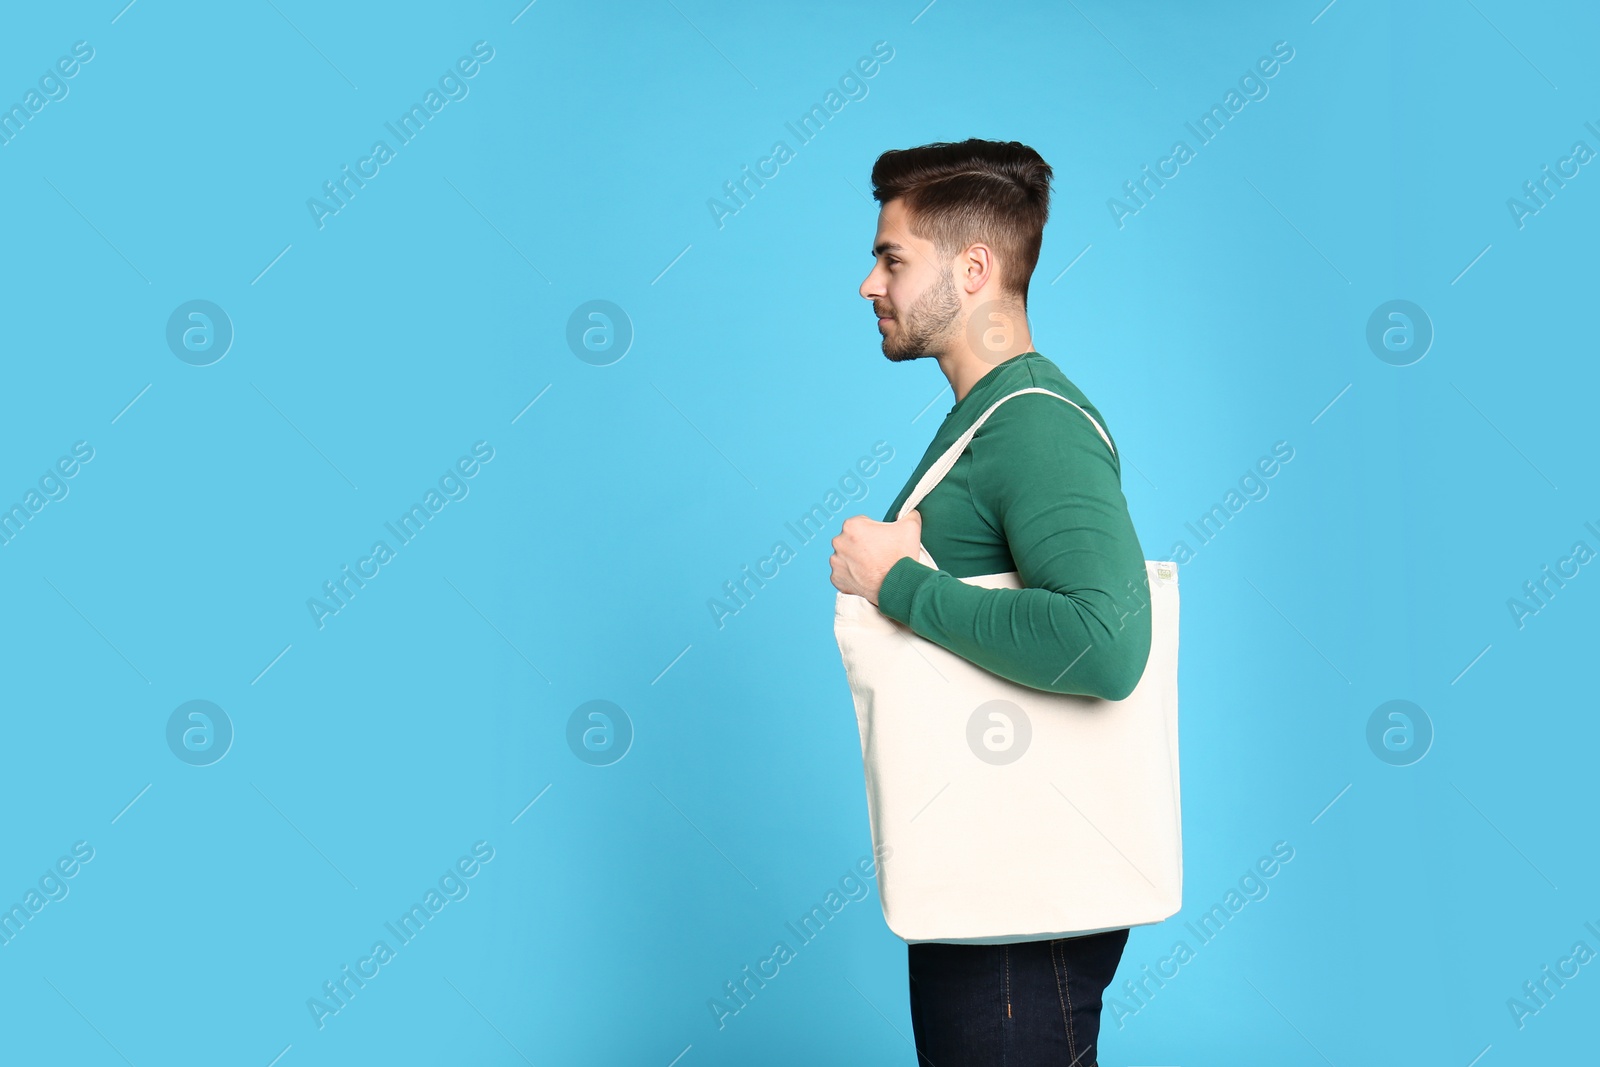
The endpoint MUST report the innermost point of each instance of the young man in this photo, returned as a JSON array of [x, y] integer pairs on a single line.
[[1038, 492]]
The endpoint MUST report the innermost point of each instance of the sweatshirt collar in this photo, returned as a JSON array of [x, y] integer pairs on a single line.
[[990, 377]]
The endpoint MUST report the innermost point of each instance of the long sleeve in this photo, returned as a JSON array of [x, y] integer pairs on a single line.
[[1043, 477]]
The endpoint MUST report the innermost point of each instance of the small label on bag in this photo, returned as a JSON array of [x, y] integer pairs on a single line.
[[1166, 572]]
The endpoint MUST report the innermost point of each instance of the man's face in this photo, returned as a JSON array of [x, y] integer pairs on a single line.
[[910, 289]]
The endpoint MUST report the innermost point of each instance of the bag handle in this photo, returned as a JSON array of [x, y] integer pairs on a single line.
[[935, 474]]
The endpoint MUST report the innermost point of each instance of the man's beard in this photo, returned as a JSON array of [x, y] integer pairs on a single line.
[[925, 324]]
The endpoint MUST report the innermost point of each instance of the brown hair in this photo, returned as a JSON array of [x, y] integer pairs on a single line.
[[959, 193]]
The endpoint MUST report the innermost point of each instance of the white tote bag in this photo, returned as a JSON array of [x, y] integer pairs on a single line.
[[1006, 813]]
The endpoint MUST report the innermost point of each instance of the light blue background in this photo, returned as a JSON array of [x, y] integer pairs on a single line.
[[1228, 314]]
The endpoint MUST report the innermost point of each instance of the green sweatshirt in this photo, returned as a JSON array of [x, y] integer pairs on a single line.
[[1037, 492]]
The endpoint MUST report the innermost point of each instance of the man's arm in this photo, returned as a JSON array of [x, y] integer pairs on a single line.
[[1042, 475]]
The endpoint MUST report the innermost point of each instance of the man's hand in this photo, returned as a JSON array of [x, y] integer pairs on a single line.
[[865, 550]]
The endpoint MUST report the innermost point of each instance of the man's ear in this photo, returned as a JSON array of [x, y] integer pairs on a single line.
[[977, 267]]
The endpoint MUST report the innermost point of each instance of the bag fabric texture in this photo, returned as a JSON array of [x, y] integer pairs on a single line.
[[1004, 813]]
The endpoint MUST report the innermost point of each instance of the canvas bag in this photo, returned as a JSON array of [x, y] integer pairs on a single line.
[[1079, 833]]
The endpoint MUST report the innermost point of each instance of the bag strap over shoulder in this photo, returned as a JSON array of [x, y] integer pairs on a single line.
[[935, 474]]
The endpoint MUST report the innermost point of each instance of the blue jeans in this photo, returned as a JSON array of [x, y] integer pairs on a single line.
[[1016, 1005]]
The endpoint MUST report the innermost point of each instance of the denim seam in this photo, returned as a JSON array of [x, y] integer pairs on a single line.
[[1064, 986]]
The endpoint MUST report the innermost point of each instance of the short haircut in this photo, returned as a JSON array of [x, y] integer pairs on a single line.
[[959, 193]]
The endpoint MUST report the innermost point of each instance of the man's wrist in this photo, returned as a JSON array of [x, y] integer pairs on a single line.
[[899, 587]]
